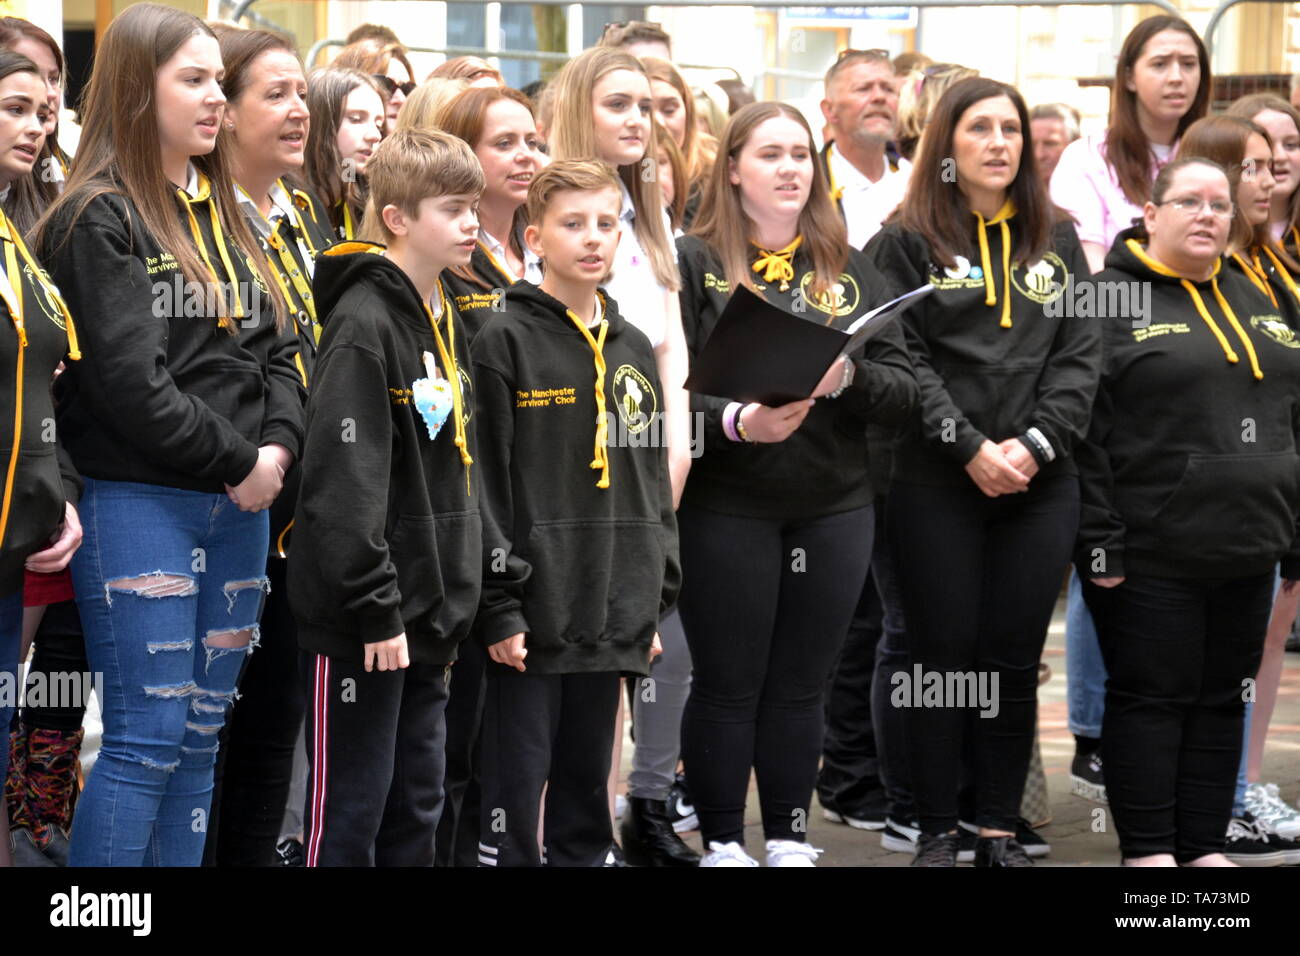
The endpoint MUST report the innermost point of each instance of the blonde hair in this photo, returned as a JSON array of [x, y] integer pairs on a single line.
[[412, 165], [421, 109], [692, 157], [573, 136], [564, 175], [920, 93]]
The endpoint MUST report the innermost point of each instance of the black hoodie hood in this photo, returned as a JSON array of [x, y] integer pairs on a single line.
[[343, 264], [540, 308]]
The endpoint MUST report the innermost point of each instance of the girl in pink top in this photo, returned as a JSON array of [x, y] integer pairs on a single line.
[[1162, 86]]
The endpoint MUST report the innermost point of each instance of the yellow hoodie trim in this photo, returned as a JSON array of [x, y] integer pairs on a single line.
[[990, 295], [205, 196], [1255, 273], [447, 351], [1287, 280], [1155, 265], [601, 460], [778, 265], [300, 202]]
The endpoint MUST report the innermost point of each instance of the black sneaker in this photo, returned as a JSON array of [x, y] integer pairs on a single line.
[[860, 818], [967, 836], [680, 806], [290, 853], [1030, 841], [1000, 852], [900, 837], [1085, 777], [1251, 844], [936, 850]]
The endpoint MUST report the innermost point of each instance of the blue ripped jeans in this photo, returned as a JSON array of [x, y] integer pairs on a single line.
[[169, 584]]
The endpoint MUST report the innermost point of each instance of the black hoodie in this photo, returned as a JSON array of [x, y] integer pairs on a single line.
[[479, 299], [823, 467], [585, 571], [1190, 465], [166, 395], [992, 359], [387, 534], [1268, 272], [38, 480]]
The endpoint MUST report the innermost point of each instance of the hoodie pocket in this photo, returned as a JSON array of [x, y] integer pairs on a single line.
[[439, 571], [594, 579], [1231, 506]]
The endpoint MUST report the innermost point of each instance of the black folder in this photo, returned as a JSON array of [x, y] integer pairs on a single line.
[[758, 352]]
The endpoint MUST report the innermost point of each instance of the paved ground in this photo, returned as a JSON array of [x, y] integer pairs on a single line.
[[1080, 832]]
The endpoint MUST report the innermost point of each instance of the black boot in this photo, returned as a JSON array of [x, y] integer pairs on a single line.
[[648, 837]]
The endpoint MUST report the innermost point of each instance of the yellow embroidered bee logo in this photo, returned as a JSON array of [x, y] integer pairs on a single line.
[[1277, 330], [842, 298], [1043, 280], [636, 399], [466, 395], [258, 281]]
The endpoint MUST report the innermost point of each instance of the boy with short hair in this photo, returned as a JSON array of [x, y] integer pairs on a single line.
[[581, 547], [385, 572]]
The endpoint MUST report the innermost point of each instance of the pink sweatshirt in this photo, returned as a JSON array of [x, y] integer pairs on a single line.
[[1086, 187]]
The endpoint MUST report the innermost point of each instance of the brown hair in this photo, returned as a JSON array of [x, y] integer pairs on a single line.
[[564, 175], [240, 49], [465, 68], [1127, 150], [1223, 139], [681, 187], [1250, 107], [119, 150], [26, 200], [619, 35], [724, 225], [372, 55], [327, 91], [934, 205], [696, 166], [412, 165], [573, 136]]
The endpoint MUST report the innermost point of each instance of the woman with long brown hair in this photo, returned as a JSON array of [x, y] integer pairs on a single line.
[[984, 494], [29, 196], [348, 118], [386, 64], [776, 521], [1282, 122], [674, 108], [183, 418]]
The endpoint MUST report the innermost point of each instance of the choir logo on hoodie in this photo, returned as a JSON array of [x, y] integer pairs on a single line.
[[1274, 328], [636, 399], [44, 299], [842, 299], [1043, 281]]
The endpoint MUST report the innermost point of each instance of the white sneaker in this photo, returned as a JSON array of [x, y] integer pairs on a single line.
[[1266, 803], [727, 854], [790, 853]]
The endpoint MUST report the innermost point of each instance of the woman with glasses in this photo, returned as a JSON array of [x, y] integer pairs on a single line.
[[387, 65], [1189, 503]]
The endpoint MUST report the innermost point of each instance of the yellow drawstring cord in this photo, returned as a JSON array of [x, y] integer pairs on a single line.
[[601, 460], [777, 266], [447, 351], [1241, 333], [990, 295], [198, 238]]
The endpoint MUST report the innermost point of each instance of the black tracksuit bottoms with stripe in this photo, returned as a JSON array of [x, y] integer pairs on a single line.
[[375, 747], [554, 731]]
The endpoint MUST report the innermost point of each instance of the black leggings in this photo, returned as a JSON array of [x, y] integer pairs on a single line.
[[765, 603], [979, 578], [60, 649], [1180, 653]]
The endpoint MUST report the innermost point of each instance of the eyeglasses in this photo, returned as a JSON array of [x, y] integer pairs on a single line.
[[1191, 206], [391, 86]]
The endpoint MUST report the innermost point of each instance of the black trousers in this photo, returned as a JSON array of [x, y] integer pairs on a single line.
[[765, 603], [457, 841], [979, 578], [554, 731], [1180, 654], [375, 748], [255, 763], [58, 648]]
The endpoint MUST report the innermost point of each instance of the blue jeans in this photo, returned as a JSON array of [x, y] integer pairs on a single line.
[[166, 581], [1085, 672], [11, 635]]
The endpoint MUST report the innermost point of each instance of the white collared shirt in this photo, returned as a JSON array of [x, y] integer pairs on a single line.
[[867, 204], [532, 265], [281, 208], [192, 180]]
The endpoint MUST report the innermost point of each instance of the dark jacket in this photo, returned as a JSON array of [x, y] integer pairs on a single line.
[[1190, 465], [1268, 272], [166, 394], [823, 467], [992, 370], [387, 534], [585, 571], [38, 479], [478, 299]]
